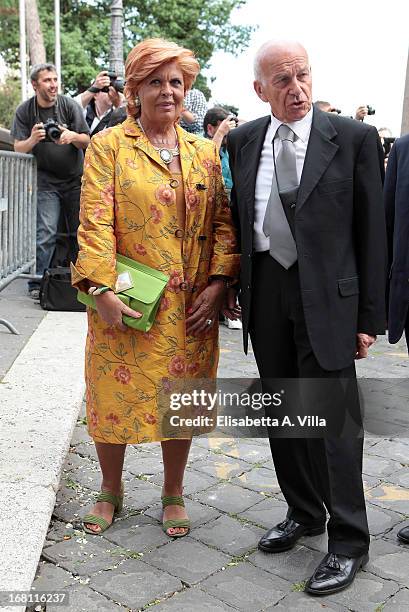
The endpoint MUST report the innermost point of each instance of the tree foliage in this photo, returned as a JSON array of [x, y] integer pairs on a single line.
[[10, 97], [200, 25]]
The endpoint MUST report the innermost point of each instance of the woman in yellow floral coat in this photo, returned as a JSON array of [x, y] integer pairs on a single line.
[[154, 193]]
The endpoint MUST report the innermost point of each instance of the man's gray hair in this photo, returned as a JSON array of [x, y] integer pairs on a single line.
[[35, 71], [258, 59], [258, 73]]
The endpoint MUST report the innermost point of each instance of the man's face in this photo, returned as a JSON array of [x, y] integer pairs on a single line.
[[46, 86], [285, 83]]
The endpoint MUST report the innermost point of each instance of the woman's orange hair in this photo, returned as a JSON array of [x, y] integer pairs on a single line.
[[146, 57]]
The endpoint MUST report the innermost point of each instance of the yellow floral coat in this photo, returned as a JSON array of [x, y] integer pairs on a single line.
[[128, 206]]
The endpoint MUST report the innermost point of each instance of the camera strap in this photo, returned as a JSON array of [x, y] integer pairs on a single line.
[[37, 118]]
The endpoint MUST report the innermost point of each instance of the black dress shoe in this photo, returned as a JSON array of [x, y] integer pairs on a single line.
[[334, 573], [284, 535], [403, 535]]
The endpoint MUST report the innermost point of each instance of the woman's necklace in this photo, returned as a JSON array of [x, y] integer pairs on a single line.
[[165, 153]]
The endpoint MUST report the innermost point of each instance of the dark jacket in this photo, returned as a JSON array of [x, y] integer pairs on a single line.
[[339, 230], [396, 197]]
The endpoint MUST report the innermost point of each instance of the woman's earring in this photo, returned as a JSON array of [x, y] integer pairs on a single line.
[[137, 101]]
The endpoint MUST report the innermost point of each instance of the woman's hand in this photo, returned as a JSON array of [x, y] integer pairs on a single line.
[[110, 309], [206, 308]]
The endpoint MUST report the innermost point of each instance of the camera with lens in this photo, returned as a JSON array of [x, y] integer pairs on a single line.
[[115, 82], [371, 111], [233, 117], [52, 131]]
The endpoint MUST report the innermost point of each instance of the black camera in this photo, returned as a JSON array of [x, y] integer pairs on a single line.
[[52, 131], [115, 82], [233, 117], [371, 111]]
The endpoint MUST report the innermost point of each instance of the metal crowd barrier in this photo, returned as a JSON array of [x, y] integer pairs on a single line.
[[18, 203]]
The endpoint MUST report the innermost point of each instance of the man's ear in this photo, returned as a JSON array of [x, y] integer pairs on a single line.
[[34, 85], [258, 88]]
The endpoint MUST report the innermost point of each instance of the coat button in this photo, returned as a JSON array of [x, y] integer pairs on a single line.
[[179, 233], [183, 286]]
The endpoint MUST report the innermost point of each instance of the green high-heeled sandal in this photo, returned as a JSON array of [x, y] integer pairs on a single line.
[[104, 496], [175, 500]]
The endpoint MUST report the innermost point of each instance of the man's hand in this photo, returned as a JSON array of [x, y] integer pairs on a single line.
[[102, 80], [67, 136], [81, 141], [363, 342], [206, 308], [116, 97], [110, 309], [37, 133], [361, 112]]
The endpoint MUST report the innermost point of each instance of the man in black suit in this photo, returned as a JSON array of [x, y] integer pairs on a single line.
[[312, 290], [396, 195]]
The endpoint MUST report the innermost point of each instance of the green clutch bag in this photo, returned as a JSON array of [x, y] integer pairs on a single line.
[[144, 296]]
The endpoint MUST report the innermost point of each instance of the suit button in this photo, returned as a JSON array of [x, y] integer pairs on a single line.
[[179, 233], [183, 286]]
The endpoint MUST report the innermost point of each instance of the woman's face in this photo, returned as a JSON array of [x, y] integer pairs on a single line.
[[162, 94]]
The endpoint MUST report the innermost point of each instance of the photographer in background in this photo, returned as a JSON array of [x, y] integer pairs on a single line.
[[217, 123], [52, 128], [101, 100], [362, 111]]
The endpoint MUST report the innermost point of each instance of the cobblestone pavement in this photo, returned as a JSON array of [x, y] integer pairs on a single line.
[[232, 496]]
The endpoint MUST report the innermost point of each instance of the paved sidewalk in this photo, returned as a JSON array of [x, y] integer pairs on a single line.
[[22, 312], [232, 497]]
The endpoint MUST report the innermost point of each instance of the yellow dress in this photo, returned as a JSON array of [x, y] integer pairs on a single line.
[[128, 205]]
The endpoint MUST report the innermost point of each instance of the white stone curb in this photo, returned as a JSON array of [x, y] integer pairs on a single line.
[[40, 398]]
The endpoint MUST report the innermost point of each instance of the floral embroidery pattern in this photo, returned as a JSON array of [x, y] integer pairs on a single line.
[[156, 213], [177, 366], [192, 199], [165, 195], [123, 375], [175, 280], [140, 249]]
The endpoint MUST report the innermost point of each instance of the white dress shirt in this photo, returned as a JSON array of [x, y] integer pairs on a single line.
[[302, 129]]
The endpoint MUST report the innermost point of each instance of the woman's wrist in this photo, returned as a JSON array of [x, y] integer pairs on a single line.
[[95, 291]]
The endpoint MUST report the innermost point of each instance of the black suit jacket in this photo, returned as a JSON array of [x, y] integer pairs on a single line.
[[396, 195], [339, 231]]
